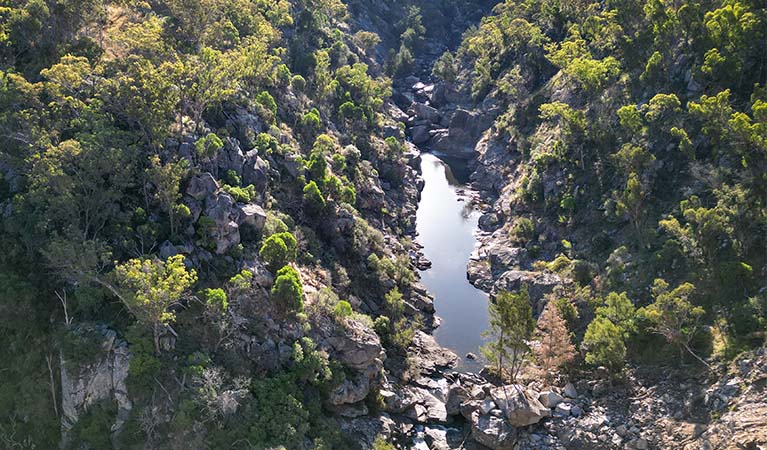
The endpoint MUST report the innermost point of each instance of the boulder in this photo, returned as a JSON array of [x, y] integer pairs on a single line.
[[456, 395], [393, 131], [420, 134], [231, 157], [202, 186], [550, 399], [424, 112], [256, 172], [357, 348], [493, 432], [252, 215], [354, 388], [570, 391], [563, 409], [520, 406], [226, 235]]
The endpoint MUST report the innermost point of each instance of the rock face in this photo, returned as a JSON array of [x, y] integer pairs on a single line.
[[359, 349], [538, 285], [103, 379]]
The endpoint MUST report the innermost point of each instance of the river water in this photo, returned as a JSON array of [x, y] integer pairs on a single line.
[[446, 225]]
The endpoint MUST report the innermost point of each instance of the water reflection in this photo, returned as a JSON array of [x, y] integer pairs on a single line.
[[446, 226]]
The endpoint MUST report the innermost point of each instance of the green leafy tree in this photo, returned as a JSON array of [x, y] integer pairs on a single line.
[[288, 289], [313, 198], [511, 328], [605, 344], [278, 250], [166, 179], [673, 316], [149, 288]]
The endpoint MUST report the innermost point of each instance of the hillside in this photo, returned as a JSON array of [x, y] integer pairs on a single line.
[[208, 223]]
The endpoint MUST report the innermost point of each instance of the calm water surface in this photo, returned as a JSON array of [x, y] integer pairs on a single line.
[[446, 228]]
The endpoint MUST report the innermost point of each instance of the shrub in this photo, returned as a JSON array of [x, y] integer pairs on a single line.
[[313, 199], [278, 250], [208, 146], [523, 230], [266, 100], [342, 310], [298, 83], [310, 123], [242, 281], [241, 194], [288, 290], [604, 344], [215, 299], [265, 144], [274, 224]]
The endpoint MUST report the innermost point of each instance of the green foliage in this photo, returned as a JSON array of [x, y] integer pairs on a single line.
[[606, 335], [278, 250], [342, 310], [446, 68], [266, 100], [605, 344], [241, 194], [672, 315], [288, 289], [310, 124], [298, 83], [215, 299], [511, 327], [381, 444], [208, 146], [149, 288], [313, 199]]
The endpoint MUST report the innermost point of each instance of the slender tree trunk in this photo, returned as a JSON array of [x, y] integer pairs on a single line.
[[48, 359], [687, 347]]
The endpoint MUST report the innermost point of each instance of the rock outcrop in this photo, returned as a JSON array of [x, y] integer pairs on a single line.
[[102, 379]]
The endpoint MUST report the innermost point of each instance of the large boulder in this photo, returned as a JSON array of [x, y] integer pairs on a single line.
[[359, 350], [520, 406], [251, 215], [231, 157], [492, 431], [256, 172], [420, 134], [354, 388], [224, 211], [202, 186], [424, 112], [102, 378]]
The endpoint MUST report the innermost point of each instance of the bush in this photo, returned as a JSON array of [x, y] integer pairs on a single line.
[[310, 123], [266, 100], [605, 345], [288, 290], [241, 194], [208, 146], [523, 230], [298, 83], [278, 250], [342, 310], [265, 144], [313, 199], [215, 299]]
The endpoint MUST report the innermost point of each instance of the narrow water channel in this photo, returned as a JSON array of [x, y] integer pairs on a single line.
[[446, 226]]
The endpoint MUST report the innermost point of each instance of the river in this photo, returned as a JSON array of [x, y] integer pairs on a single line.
[[446, 225]]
